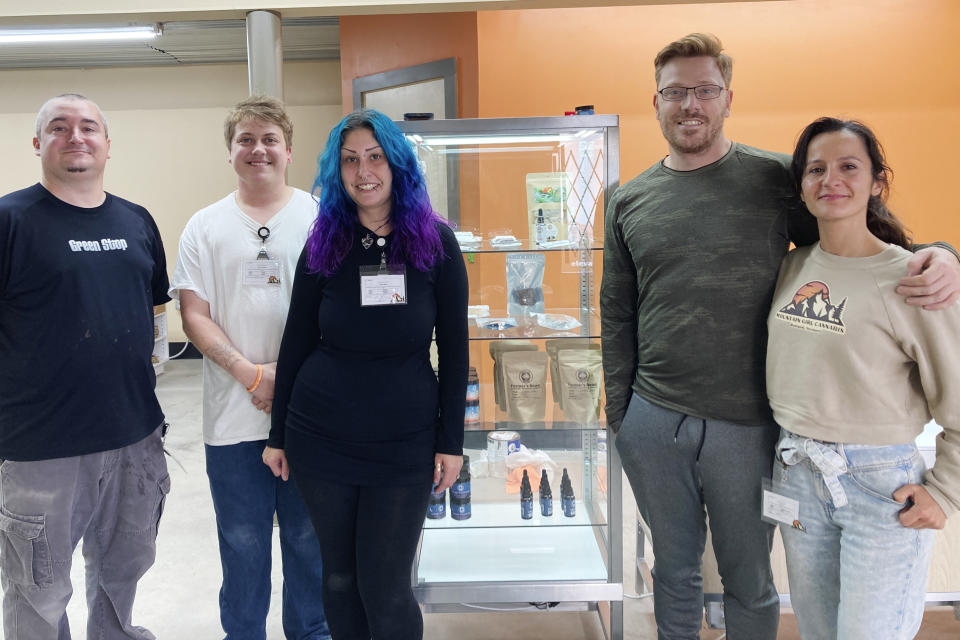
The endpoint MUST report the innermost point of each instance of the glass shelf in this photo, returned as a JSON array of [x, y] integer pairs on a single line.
[[527, 246], [529, 329], [540, 425], [520, 554]]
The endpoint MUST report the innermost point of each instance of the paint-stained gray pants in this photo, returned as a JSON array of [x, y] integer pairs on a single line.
[[680, 466], [113, 500]]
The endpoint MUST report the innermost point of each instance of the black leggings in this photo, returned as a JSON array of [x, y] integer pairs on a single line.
[[368, 538]]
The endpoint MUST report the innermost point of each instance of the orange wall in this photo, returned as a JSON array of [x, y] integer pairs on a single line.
[[793, 61], [373, 44]]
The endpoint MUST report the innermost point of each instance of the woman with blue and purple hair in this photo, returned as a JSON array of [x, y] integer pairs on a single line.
[[359, 416]]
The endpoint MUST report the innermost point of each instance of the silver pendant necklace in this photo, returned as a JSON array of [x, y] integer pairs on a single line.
[[367, 241]]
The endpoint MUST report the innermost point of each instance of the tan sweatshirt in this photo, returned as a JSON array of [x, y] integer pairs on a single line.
[[849, 360]]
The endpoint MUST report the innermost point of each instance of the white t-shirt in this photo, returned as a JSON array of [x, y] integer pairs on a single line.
[[215, 243]]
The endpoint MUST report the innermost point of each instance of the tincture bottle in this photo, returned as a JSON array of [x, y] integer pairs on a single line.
[[567, 501], [437, 507], [460, 493], [546, 496], [526, 497]]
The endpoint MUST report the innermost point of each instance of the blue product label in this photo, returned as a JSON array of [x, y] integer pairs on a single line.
[[473, 391], [569, 507], [546, 506], [436, 510], [526, 509], [513, 445], [472, 413], [460, 490], [460, 511]]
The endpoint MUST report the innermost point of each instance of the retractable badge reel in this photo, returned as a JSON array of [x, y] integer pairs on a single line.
[[263, 270]]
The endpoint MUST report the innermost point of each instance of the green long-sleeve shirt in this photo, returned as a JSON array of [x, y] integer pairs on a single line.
[[690, 264]]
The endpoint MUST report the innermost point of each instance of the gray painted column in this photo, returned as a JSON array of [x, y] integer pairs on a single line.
[[265, 53]]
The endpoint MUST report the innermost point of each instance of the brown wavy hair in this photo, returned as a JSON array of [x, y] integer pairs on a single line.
[[880, 220]]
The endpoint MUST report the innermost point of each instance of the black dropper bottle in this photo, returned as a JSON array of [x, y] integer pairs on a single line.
[[546, 496], [567, 501], [526, 497]]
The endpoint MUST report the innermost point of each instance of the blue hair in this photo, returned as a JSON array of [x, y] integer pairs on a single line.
[[413, 220]]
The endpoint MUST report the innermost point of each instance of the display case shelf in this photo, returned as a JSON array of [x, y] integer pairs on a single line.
[[545, 179], [528, 246], [528, 328]]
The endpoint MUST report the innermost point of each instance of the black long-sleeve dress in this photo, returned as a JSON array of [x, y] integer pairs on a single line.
[[356, 399]]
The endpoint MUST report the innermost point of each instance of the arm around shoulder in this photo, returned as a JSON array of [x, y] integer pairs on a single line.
[[933, 277]]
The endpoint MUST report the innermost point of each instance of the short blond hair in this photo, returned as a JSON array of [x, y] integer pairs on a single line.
[[264, 108], [696, 45]]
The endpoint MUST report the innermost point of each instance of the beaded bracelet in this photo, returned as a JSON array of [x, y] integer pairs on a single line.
[[256, 383]]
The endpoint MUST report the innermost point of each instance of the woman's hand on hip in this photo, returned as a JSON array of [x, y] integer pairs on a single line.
[[924, 512], [446, 468], [276, 459]]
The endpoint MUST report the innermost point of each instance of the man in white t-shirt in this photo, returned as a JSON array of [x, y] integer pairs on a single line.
[[233, 279]]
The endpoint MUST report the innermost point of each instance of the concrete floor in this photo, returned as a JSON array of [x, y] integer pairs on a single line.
[[177, 599]]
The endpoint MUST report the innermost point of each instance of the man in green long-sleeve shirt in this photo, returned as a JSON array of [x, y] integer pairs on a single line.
[[692, 248]]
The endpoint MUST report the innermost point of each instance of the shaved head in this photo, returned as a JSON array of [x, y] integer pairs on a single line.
[[42, 114]]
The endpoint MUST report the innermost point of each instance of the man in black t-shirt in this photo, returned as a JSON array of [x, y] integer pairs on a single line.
[[80, 426]]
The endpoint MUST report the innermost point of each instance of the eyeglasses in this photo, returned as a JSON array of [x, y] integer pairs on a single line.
[[703, 92]]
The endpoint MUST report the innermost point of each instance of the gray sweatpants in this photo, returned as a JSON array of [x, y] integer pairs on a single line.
[[678, 465], [113, 500]]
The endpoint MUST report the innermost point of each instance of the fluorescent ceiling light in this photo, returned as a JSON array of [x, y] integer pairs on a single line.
[[78, 34], [498, 139]]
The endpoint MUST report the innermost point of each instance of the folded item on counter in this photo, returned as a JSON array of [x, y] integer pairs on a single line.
[[496, 324], [504, 242], [556, 321], [478, 310], [531, 460]]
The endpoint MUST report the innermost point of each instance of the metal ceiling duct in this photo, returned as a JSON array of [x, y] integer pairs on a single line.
[[185, 42]]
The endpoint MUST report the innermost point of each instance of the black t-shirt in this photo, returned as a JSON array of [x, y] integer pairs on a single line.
[[77, 289], [356, 399]]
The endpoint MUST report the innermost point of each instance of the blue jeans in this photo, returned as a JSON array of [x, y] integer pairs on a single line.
[[245, 496], [681, 468], [856, 573]]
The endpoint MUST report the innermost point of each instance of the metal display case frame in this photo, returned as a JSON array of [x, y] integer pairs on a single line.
[[602, 595]]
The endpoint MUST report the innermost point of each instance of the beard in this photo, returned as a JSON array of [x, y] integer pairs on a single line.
[[690, 144]]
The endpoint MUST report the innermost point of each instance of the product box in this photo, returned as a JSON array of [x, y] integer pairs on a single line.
[[547, 214]]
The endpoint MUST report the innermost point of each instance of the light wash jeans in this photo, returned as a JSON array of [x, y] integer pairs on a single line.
[[856, 573]]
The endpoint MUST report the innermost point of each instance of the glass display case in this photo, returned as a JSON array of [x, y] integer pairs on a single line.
[[526, 197]]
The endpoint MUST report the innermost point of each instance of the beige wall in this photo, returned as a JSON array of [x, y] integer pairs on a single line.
[[166, 130]]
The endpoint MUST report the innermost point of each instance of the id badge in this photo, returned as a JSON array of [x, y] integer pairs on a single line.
[[383, 285], [258, 273], [778, 507]]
